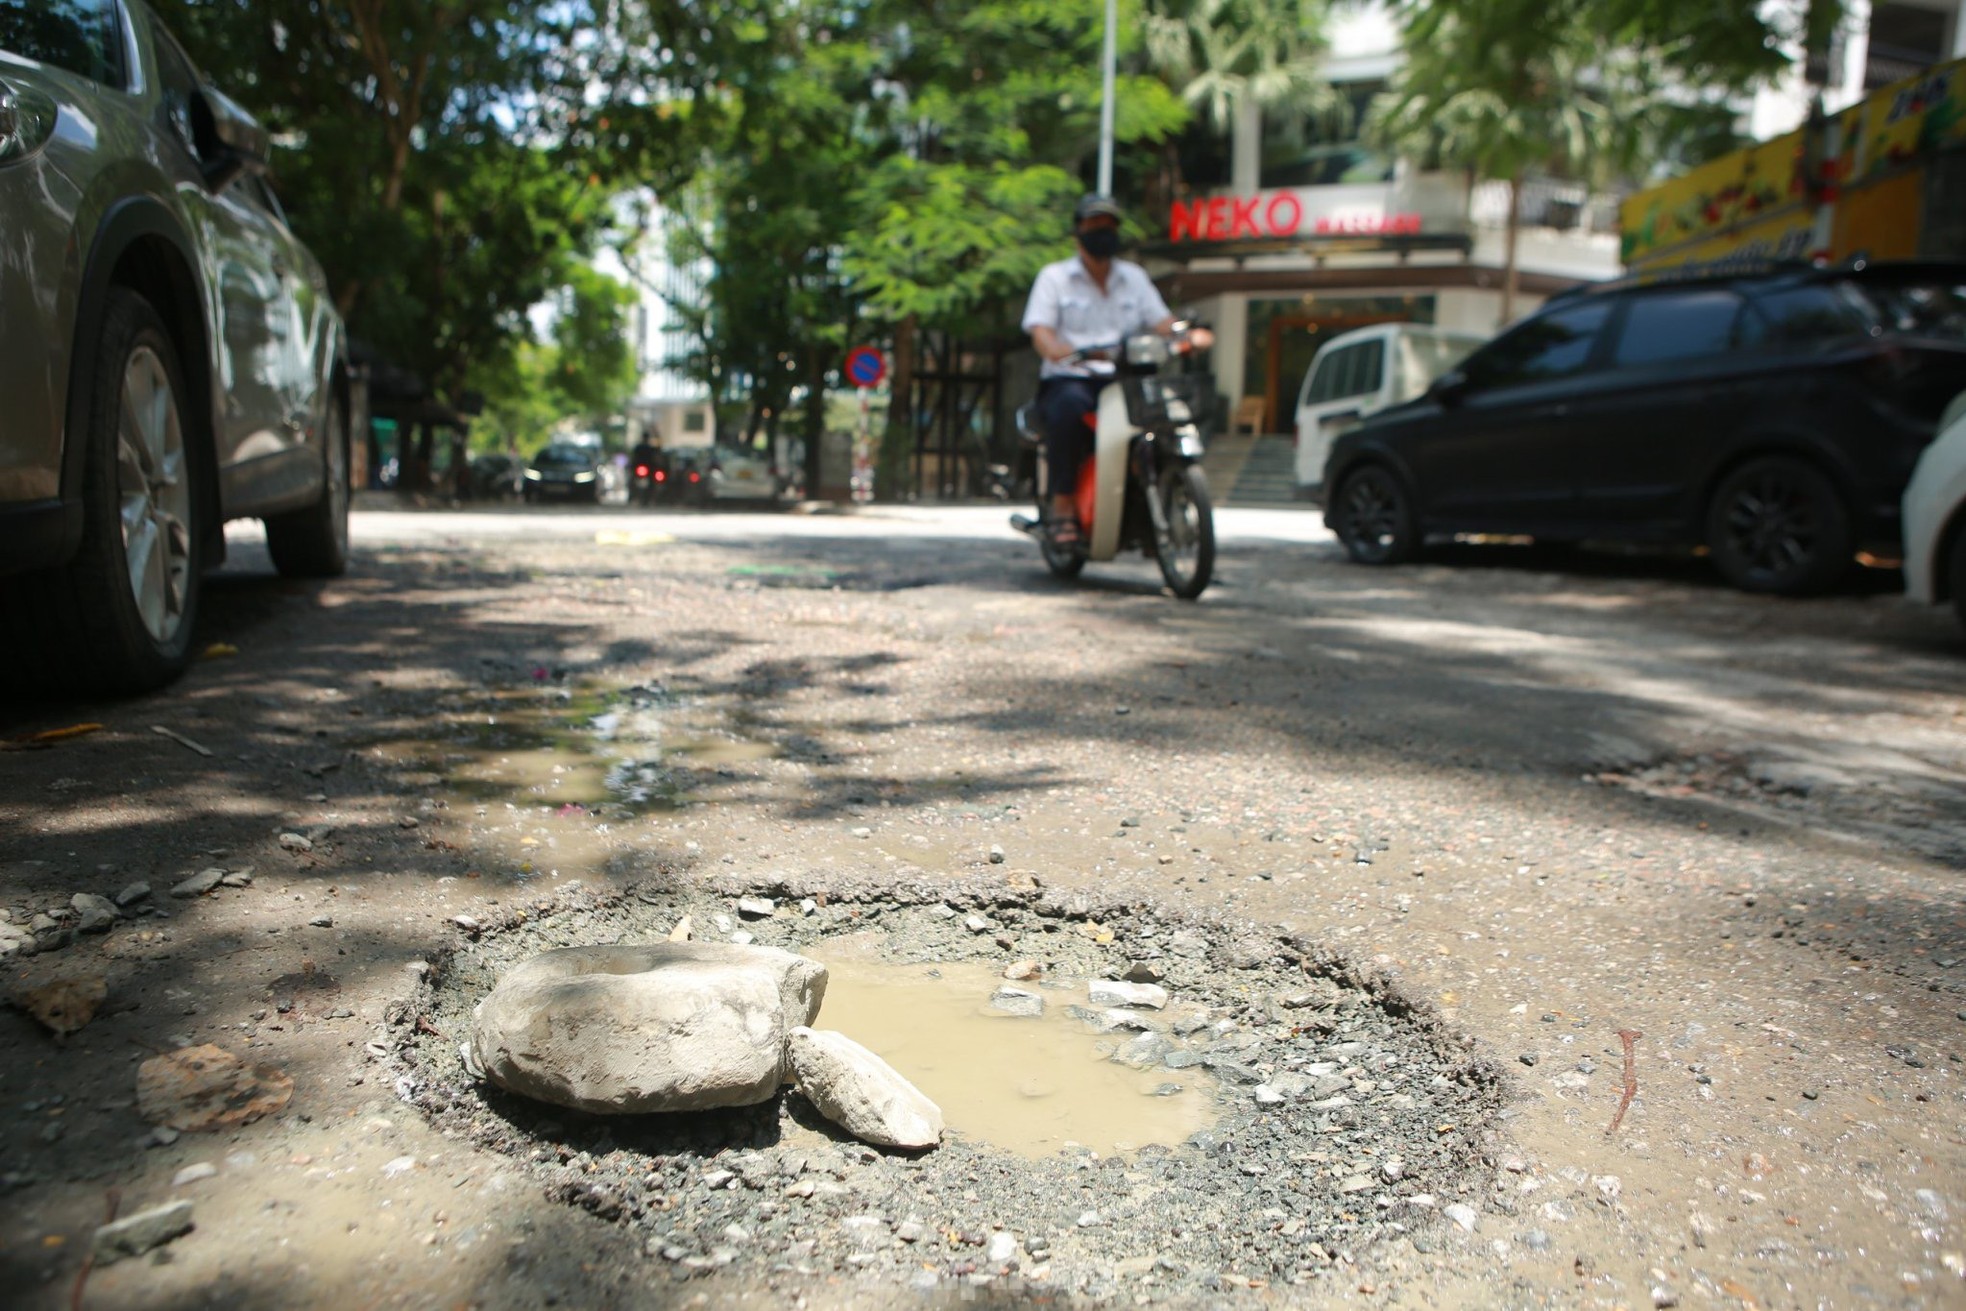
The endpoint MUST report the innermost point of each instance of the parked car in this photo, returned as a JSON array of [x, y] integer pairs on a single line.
[[1770, 418], [1935, 518], [1362, 372], [735, 473], [568, 472], [497, 477], [170, 357]]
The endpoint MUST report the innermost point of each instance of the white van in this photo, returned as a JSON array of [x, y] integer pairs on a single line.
[[1364, 370]]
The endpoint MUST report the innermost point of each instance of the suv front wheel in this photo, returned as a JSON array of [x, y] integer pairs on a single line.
[[118, 617], [1775, 525]]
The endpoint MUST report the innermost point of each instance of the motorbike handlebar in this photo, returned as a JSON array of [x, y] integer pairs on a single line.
[[1179, 343]]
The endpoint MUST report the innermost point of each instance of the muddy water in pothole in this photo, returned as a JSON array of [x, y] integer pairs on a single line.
[[1026, 1085]]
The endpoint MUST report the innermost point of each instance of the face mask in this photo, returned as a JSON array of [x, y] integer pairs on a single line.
[[1101, 243]]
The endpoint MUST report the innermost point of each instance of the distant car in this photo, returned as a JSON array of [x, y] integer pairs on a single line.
[[1771, 418], [498, 477], [170, 356], [563, 471], [1935, 518], [1362, 372], [738, 474]]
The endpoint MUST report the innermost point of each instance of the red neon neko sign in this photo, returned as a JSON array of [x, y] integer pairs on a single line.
[[1232, 218]]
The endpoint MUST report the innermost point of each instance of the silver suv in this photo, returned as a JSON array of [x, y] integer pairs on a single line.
[[169, 355]]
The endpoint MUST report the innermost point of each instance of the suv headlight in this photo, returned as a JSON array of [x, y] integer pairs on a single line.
[[532, 475], [586, 477], [27, 120]]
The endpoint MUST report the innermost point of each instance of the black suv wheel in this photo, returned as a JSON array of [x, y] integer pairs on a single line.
[[1373, 517], [1775, 525]]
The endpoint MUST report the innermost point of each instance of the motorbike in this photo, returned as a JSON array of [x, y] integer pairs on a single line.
[[1142, 489], [646, 478]]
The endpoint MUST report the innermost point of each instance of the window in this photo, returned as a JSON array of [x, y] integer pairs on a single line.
[[177, 87], [1922, 309], [1552, 345], [81, 36], [1324, 148], [1355, 370], [1677, 326], [1806, 315], [694, 421]]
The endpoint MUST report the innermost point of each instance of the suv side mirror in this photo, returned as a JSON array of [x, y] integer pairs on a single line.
[[1449, 387], [230, 141]]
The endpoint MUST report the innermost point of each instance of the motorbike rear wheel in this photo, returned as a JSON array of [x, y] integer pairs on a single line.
[[1184, 530]]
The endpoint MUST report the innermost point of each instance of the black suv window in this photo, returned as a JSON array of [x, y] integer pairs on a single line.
[[1552, 345], [1800, 316], [1925, 309], [1676, 326], [82, 36]]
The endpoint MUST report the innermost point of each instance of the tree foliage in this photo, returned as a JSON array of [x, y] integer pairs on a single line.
[[450, 161]]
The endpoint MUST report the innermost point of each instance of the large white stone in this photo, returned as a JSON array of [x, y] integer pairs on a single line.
[[1110, 992], [860, 1092], [667, 1026]]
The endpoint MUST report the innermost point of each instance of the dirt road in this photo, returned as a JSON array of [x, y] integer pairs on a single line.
[[1551, 800]]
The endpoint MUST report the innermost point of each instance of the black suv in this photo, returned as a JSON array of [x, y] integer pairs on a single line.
[[1772, 418]]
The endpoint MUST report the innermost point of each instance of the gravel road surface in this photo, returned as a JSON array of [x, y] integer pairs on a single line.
[[1601, 829]]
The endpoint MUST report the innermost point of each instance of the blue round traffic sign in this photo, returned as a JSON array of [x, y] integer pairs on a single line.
[[865, 367]]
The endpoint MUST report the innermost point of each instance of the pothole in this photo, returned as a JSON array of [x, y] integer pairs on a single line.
[[1283, 1116]]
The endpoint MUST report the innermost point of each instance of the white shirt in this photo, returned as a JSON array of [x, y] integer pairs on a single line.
[[1066, 299]]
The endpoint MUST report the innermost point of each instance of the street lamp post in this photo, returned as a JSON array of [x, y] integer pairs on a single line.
[[1109, 60]]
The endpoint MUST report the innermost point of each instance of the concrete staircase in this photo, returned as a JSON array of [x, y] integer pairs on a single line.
[[1245, 470]]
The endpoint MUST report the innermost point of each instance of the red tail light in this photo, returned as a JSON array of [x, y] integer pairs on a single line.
[[694, 476], [641, 471], [661, 477]]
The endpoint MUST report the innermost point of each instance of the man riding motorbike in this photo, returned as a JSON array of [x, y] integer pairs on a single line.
[[1088, 300], [643, 464]]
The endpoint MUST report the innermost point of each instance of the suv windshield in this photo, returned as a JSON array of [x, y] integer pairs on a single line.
[[563, 457], [81, 36]]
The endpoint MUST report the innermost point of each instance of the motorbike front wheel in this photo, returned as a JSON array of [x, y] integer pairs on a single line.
[[1066, 562], [1184, 530]]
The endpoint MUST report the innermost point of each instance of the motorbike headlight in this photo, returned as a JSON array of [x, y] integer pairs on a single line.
[[1178, 411], [1148, 350], [532, 475], [587, 477]]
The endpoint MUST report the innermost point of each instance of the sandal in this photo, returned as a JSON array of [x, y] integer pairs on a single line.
[[1065, 535]]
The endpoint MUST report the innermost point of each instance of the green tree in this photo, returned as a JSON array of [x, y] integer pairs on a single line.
[[593, 364], [1222, 55], [450, 161], [1590, 89]]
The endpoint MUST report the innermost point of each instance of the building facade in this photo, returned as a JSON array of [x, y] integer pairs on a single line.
[[1312, 232]]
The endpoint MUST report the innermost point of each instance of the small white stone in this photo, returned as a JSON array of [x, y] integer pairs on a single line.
[[1003, 1246], [756, 908], [1090, 1220], [1461, 1214], [860, 1092], [191, 1174]]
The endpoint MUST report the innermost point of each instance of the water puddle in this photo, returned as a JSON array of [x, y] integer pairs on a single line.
[[1026, 1085], [628, 752]]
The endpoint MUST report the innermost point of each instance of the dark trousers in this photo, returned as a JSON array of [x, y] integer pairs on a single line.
[[1066, 408]]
